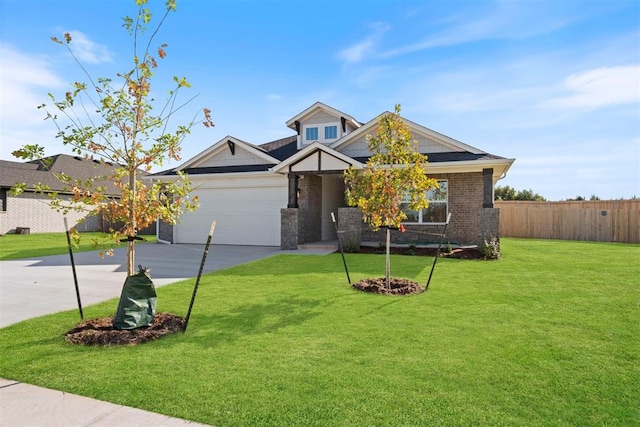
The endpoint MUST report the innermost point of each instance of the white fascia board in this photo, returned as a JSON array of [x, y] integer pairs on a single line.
[[220, 145], [499, 166], [205, 176]]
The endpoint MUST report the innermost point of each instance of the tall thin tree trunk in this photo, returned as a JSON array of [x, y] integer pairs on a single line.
[[131, 252], [388, 260]]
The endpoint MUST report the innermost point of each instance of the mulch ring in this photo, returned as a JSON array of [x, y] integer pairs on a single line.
[[398, 286], [100, 332]]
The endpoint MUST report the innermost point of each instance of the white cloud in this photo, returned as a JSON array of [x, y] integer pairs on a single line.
[[359, 51], [87, 50], [25, 81], [600, 87], [497, 20]]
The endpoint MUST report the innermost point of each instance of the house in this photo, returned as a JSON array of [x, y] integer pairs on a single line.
[[283, 193], [31, 211]]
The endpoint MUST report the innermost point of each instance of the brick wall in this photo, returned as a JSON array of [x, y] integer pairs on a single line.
[[465, 201], [34, 211]]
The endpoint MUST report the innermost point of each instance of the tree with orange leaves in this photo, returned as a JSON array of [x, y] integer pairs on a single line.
[[394, 174], [123, 132]]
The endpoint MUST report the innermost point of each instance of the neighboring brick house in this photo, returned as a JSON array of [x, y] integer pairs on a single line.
[[31, 210], [283, 193]]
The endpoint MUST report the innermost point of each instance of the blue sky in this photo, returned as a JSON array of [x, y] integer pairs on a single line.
[[554, 84]]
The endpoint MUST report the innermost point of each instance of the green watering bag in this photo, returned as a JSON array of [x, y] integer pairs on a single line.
[[137, 306]]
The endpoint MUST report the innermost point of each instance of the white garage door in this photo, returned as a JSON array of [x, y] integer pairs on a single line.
[[246, 211]]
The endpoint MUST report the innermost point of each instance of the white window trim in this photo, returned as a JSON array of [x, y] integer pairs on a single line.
[[321, 139], [420, 212]]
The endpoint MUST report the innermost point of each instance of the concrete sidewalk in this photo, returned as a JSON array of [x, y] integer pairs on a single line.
[[24, 405], [35, 287]]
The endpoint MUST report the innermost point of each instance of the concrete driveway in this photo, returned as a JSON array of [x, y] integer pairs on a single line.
[[34, 287]]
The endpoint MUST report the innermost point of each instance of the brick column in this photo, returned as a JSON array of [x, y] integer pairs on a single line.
[[350, 228], [488, 224], [289, 228]]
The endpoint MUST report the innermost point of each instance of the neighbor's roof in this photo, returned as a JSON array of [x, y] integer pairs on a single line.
[[43, 171]]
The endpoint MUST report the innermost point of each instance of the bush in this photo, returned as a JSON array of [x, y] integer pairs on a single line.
[[490, 249]]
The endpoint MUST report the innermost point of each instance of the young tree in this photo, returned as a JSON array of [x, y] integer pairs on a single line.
[[394, 174], [114, 121]]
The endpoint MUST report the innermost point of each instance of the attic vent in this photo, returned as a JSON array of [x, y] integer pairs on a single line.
[[232, 147]]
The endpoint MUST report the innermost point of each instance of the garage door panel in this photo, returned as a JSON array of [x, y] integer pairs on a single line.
[[244, 216]]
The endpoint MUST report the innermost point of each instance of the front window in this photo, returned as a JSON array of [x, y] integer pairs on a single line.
[[311, 134], [436, 213]]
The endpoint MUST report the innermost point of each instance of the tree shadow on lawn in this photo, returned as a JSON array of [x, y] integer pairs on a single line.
[[211, 330]]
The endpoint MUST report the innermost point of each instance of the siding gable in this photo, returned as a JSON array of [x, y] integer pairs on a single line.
[[229, 152], [355, 144], [240, 156]]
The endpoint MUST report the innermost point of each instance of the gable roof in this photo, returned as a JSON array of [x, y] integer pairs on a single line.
[[319, 106], [44, 171], [283, 155], [316, 157], [228, 142], [371, 125]]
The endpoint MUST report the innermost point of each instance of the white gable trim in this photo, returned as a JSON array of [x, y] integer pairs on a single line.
[[370, 127], [314, 155], [320, 106], [221, 145]]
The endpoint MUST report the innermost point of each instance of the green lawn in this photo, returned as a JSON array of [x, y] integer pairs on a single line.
[[18, 246], [547, 336]]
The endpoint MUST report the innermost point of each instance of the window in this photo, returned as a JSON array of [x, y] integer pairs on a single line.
[[438, 208], [311, 134], [324, 133], [330, 132]]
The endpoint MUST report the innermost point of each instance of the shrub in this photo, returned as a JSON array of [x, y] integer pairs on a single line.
[[490, 249]]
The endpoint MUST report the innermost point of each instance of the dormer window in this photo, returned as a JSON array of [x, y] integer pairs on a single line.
[[324, 133], [330, 132], [311, 134]]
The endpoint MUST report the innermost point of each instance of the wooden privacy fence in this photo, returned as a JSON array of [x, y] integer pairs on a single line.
[[600, 221]]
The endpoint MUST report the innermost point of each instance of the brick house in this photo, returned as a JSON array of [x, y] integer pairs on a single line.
[[31, 211], [283, 193]]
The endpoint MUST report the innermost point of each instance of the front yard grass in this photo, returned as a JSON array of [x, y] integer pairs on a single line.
[[547, 336], [19, 246]]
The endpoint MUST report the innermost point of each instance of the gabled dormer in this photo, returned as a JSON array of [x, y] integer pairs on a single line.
[[323, 124]]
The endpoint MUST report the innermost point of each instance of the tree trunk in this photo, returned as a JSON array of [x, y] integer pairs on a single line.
[[388, 260], [131, 252]]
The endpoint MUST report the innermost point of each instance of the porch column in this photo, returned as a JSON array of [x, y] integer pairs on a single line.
[[487, 193], [293, 190]]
